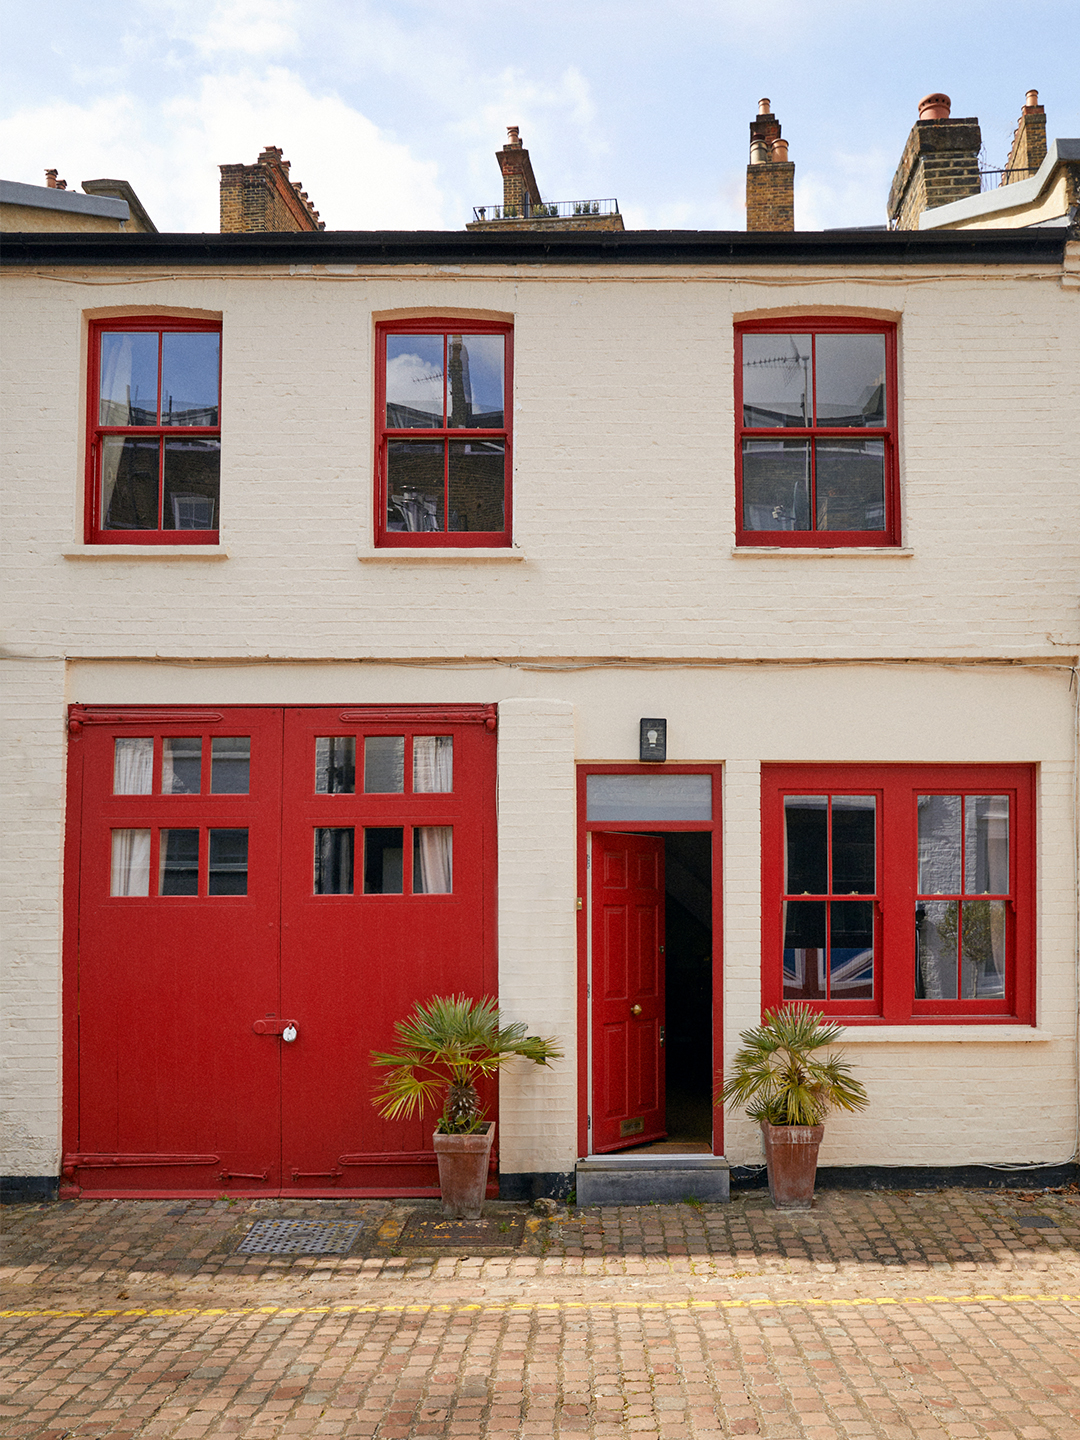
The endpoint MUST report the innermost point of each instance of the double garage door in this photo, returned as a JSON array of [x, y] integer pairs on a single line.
[[254, 896]]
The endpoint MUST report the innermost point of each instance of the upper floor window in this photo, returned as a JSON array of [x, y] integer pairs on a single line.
[[815, 406], [154, 441], [443, 439]]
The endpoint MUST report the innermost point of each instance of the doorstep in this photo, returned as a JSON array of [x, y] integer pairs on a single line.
[[639, 1179]]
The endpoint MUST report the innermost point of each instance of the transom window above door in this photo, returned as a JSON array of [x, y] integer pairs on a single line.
[[443, 391], [815, 406]]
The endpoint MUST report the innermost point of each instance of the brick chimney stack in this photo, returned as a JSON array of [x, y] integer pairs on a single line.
[[1029, 142], [940, 163], [520, 190], [261, 197], [770, 175]]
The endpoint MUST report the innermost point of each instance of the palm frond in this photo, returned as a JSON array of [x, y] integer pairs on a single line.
[[778, 1076], [447, 1044]]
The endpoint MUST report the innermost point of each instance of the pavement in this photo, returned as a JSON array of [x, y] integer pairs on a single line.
[[901, 1314]]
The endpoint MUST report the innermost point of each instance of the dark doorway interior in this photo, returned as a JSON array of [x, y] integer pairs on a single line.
[[688, 954]]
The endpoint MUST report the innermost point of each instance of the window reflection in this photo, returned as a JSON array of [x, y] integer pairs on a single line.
[[384, 853], [178, 863], [334, 860]]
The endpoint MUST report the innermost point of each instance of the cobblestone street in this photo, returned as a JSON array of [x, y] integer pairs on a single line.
[[950, 1314]]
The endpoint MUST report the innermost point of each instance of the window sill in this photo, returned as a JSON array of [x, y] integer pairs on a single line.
[[145, 552], [922, 1034], [821, 552], [460, 553]]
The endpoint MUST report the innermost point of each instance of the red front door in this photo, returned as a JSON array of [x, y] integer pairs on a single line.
[[627, 990], [255, 896]]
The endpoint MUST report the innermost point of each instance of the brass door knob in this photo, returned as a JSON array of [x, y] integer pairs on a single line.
[[635, 1009]]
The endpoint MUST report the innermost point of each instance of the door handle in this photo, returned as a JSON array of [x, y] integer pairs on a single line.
[[285, 1028], [635, 1009]]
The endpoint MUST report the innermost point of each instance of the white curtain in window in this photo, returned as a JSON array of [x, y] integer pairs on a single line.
[[433, 764], [130, 862], [433, 859], [133, 766]]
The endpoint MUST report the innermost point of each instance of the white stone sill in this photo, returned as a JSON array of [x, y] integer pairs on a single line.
[[145, 552], [825, 552], [461, 554], [916, 1034]]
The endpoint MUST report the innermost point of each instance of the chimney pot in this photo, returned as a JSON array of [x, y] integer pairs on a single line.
[[50, 178], [935, 107], [1031, 98], [764, 106], [513, 137], [779, 152], [759, 152]]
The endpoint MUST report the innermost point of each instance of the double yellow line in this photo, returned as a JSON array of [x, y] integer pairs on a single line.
[[198, 1312]]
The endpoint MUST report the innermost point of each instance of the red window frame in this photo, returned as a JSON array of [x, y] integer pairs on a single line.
[[897, 788], [95, 532], [821, 539], [461, 539]]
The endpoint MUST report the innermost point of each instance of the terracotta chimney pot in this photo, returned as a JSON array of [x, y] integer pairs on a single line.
[[764, 107], [779, 152], [935, 107], [1031, 98]]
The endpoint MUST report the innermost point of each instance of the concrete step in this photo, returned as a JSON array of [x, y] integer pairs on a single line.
[[664, 1178]]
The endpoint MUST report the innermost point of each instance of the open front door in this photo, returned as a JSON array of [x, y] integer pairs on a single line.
[[627, 990]]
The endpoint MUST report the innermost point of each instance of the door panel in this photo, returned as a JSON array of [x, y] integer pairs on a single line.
[[354, 963], [628, 923], [175, 1088]]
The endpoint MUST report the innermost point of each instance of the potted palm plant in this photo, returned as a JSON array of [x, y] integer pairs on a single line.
[[444, 1048], [789, 1086]]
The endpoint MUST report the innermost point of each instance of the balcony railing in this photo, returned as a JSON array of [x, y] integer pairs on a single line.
[[548, 210]]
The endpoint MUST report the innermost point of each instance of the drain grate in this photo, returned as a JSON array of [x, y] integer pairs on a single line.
[[489, 1232], [298, 1237], [1035, 1222]]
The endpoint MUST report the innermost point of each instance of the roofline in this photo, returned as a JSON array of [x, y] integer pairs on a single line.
[[462, 247], [43, 197], [1005, 197]]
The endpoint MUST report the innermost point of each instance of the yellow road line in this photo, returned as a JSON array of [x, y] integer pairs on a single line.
[[526, 1307]]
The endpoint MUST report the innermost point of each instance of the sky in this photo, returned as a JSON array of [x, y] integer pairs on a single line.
[[390, 111]]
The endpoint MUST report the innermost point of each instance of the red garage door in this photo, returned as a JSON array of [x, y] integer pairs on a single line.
[[254, 897]]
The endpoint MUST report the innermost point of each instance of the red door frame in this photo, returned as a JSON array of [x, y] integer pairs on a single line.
[[126, 715], [713, 828]]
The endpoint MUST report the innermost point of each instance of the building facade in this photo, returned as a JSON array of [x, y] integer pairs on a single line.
[[644, 628]]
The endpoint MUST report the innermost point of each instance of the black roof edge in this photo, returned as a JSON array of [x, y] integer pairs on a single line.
[[461, 247]]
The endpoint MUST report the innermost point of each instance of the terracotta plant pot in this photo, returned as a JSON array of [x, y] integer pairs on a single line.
[[791, 1153], [463, 1170]]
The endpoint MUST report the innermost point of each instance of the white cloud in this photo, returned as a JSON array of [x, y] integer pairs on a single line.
[[253, 27], [356, 175], [852, 192]]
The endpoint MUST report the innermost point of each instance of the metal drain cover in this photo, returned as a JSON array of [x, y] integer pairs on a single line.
[[489, 1232], [298, 1237], [1036, 1222]]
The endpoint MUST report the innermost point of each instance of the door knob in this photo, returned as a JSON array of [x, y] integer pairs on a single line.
[[635, 1009]]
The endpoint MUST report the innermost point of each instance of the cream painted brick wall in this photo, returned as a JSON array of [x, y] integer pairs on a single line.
[[624, 477], [537, 930], [624, 507], [32, 750]]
